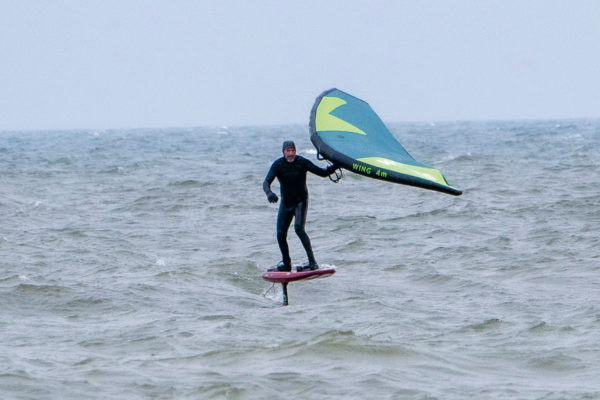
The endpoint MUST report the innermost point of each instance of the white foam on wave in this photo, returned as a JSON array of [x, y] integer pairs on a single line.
[[452, 157]]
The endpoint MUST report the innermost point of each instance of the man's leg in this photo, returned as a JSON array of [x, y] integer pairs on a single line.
[[284, 219], [299, 222]]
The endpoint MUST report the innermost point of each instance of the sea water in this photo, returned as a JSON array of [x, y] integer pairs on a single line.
[[131, 259]]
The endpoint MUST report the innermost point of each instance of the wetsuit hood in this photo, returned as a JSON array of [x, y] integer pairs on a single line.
[[288, 143]]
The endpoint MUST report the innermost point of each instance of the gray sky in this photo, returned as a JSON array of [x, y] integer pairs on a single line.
[[148, 63]]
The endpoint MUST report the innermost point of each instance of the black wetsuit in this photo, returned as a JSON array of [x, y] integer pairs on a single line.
[[294, 200]]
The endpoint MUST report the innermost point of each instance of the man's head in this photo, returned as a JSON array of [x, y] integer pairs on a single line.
[[289, 151]]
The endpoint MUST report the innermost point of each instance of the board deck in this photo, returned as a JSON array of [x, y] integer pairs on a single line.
[[285, 277]]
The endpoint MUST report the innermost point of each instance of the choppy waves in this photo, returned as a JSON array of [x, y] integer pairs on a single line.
[[131, 266]]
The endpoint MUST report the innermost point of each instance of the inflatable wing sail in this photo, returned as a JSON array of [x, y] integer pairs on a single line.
[[346, 131]]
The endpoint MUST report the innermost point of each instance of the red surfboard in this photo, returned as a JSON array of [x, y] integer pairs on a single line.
[[285, 277]]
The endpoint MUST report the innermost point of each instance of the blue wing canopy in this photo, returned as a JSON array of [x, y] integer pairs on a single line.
[[346, 131]]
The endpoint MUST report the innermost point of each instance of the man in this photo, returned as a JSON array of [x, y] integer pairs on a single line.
[[291, 170]]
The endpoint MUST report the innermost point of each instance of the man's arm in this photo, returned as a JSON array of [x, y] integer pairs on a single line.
[[272, 197], [320, 171]]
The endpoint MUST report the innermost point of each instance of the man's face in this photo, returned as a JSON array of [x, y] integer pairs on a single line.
[[290, 154]]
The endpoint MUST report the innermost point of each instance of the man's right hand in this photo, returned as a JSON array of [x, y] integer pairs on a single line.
[[272, 197]]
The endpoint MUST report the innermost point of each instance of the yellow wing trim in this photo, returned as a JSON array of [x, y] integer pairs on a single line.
[[430, 174], [327, 122]]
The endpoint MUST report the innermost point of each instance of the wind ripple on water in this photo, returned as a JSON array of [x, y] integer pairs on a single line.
[[131, 265]]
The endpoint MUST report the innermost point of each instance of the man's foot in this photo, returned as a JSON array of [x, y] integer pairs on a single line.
[[309, 267], [281, 267]]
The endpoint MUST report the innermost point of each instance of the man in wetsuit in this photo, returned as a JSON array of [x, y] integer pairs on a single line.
[[291, 170]]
